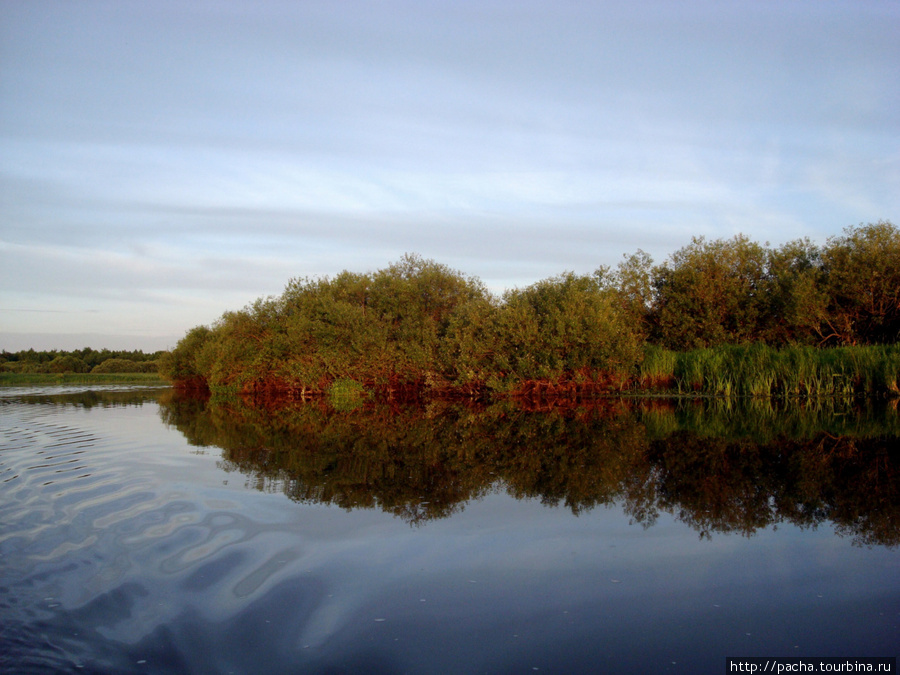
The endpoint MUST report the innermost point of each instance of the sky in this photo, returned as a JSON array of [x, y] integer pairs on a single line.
[[164, 162]]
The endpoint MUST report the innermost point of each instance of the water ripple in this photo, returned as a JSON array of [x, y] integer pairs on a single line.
[[103, 545]]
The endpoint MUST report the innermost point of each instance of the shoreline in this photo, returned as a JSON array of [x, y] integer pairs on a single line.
[[17, 379]]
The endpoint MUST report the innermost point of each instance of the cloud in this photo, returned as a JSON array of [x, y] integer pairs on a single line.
[[161, 159]]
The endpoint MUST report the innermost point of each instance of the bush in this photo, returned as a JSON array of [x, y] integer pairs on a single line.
[[564, 327], [181, 364], [67, 364], [118, 366]]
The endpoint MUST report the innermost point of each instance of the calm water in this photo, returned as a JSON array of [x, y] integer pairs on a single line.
[[144, 533]]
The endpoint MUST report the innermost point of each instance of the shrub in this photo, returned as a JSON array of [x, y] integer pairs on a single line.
[[119, 366], [67, 364]]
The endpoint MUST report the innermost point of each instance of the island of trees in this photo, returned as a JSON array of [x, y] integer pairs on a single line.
[[724, 317]]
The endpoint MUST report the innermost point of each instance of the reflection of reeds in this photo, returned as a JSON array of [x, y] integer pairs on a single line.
[[346, 394], [765, 419], [659, 421]]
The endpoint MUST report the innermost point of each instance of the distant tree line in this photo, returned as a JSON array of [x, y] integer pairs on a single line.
[[420, 325], [85, 360]]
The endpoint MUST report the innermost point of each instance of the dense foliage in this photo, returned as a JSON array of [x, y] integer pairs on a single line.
[[419, 325], [85, 360]]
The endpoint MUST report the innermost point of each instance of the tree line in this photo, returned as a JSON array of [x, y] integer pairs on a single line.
[[84, 360], [420, 325]]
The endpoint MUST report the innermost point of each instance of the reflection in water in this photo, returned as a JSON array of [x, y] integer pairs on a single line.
[[718, 465], [82, 396], [124, 550]]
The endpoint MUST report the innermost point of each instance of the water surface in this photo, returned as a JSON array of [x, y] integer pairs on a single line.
[[144, 533]]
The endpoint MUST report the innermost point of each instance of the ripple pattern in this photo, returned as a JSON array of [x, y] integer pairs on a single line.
[[110, 539]]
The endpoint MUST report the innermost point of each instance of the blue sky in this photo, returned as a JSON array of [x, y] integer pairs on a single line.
[[163, 162]]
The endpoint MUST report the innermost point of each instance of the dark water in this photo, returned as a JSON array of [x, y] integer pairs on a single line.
[[140, 532]]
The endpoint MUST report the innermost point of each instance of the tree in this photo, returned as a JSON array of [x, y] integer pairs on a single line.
[[415, 299], [183, 363], [861, 272], [116, 365], [67, 364], [708, 293], [632, 283], [565, 325], [795, 303]]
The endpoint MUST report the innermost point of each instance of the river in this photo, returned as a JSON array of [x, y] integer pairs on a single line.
[[141, 532]]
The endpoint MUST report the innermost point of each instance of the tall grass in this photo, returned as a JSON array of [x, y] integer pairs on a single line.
[[657, 369], [760, 371]]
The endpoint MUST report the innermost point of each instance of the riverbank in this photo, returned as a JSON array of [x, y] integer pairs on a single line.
[[731, 371], [19, 379]]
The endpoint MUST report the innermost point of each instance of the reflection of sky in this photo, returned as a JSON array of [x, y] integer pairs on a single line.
[[536, 587], [161, 163]]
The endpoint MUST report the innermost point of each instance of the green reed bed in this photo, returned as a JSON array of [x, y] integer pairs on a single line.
[[657, 369], [758, 370]]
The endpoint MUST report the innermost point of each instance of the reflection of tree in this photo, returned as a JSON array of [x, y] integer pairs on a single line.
[[859, 490], [717, 468], [711, 483]]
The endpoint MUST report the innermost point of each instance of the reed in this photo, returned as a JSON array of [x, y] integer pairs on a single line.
[[657, 369], [758, 370]]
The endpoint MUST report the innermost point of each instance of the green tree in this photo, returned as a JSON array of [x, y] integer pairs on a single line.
[[469, 350], [632, 282], [862, 281], [67, 363], [119, 366], [562, 326], [331, 331], [415, 299], [794, 303], [183, 364], [709, 293]]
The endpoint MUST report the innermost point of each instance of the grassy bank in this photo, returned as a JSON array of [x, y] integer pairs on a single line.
[[754, 371], [761, 371], [17, 379]]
